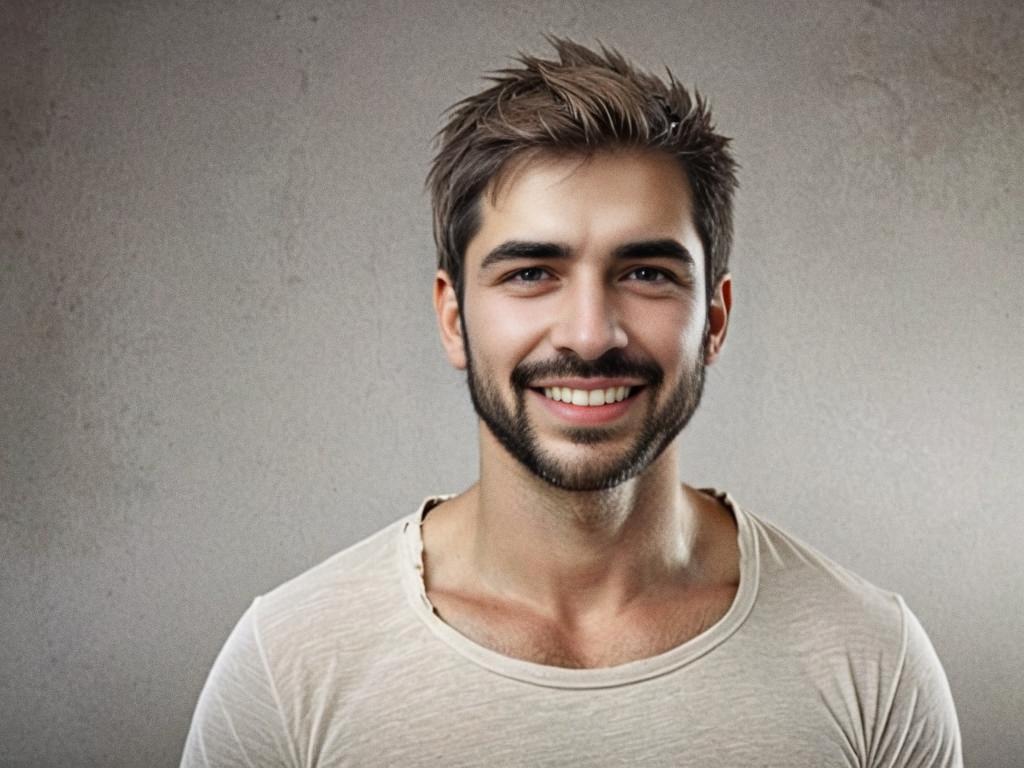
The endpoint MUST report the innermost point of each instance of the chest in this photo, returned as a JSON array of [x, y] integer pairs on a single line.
[[443, 710], [646, 630]]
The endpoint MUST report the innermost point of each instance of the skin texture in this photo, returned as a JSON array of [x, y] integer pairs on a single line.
[[595, 554]]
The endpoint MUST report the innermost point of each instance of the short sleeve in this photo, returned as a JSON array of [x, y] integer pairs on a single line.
[[921, 728], [237, 721]]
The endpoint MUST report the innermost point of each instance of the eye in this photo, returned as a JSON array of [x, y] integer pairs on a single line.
[[528, 275], [650, 275]]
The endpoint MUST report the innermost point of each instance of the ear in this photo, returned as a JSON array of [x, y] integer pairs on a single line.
[[446, 306], [718, 319]]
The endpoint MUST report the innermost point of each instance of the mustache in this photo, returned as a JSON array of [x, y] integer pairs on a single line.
[[611, 364]]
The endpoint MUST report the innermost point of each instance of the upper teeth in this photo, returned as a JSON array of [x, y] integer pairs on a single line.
[[587, 396]]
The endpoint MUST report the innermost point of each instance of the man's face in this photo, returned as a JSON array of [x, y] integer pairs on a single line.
[[583, 317]]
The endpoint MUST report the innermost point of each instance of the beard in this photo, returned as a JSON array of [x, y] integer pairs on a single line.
[[661, 424]]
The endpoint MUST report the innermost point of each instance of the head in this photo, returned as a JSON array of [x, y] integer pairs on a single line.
[[581, 102], [592, 157]]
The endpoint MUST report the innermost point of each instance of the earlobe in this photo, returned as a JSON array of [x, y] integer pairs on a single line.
[[449, 321], [718, 319]]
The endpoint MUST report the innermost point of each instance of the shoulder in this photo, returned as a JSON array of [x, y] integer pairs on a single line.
[[351, 568], [854, 642], [297, 650], [343, 602], [824, 612], [799, 583]]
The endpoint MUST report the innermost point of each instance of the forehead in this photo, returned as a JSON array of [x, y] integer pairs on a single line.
[[590, 203]]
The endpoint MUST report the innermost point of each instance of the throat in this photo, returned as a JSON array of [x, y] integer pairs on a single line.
[[556, 548]]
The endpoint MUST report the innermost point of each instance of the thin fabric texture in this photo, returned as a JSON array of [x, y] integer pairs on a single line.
[[349, 665]]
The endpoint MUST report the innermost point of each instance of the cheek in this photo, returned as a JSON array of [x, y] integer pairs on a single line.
[[505, 331], [693, 339], [673, 336]]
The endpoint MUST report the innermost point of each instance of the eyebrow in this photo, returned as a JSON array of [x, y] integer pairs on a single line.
[[511, 250], [655, 249]]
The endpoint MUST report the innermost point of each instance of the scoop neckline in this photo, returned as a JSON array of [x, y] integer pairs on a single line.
[[412, 570]]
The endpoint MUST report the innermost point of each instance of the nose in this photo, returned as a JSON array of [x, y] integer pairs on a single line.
[[588, 322]]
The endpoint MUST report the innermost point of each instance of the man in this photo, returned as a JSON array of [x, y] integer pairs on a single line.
[[579, 604]]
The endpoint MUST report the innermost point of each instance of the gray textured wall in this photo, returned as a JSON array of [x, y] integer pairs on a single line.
[[218, 362]]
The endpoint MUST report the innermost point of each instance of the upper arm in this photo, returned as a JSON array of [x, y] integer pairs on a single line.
[[238, 720], [920, 727]]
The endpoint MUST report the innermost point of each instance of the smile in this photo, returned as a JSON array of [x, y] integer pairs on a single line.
[[587, 397]]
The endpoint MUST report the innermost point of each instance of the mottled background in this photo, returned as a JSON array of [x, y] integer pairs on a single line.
[[218, 361]]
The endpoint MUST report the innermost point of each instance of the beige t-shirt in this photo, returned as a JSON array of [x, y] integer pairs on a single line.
[[348, 665]]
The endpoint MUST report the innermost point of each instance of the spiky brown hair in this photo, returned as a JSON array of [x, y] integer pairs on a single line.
[[584, 101]]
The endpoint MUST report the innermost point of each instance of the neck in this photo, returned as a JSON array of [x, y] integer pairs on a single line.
[[568, 553]]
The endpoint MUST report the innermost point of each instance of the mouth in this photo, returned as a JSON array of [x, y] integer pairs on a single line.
[[588, 398], [587, 407]]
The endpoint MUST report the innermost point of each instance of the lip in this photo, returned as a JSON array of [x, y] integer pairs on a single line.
[[586, 415], [577, 383]]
